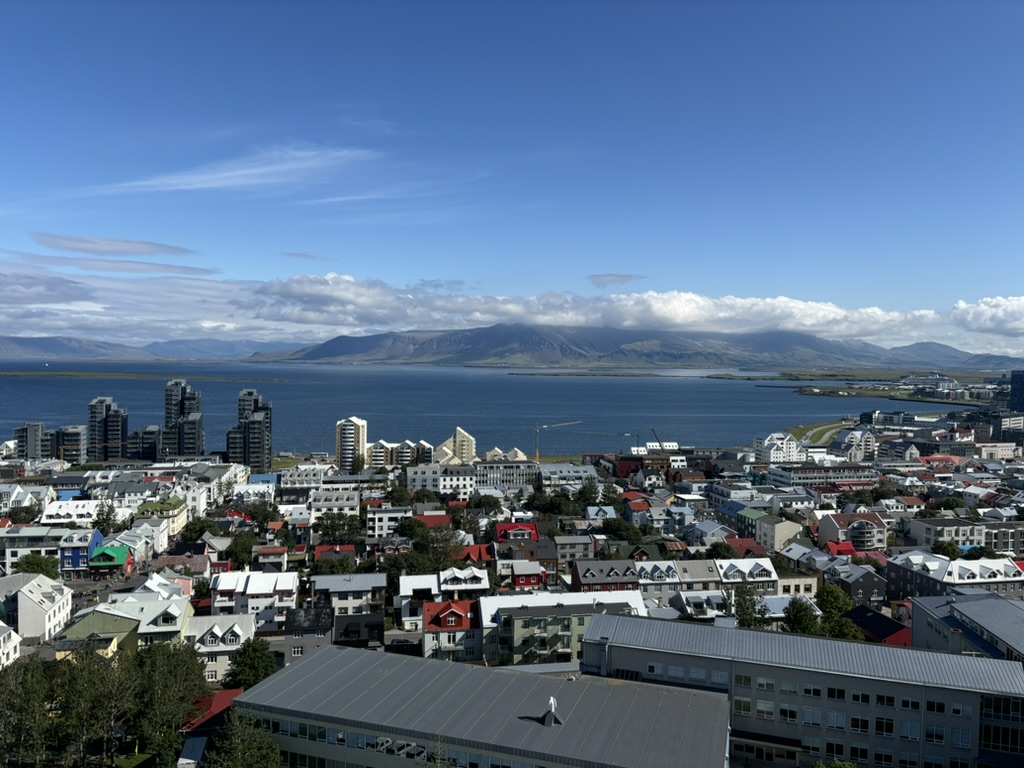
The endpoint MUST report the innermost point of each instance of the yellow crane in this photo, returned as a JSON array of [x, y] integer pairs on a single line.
[[537, 431]]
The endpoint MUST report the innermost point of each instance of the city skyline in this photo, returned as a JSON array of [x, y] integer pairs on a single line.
[[849, 170]]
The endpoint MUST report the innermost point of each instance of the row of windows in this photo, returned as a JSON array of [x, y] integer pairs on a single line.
[[883, 758]]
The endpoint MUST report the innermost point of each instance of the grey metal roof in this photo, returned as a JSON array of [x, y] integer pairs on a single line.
[[355, 582], [604, 722], [1003, 619], [839, 657]]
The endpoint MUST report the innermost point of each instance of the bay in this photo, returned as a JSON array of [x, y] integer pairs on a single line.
[[499, 407]]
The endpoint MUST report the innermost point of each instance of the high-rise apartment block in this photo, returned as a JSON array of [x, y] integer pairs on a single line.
[[107, 430], [183, 420], [351, 444], [250, 441], [1017, 391]]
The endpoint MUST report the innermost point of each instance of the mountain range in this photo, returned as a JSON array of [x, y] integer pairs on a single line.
[[531, 346]]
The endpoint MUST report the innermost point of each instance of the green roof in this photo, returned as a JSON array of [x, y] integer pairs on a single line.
[[111, 555]]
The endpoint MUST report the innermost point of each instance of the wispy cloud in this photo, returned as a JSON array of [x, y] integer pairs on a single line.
[[24, 289], [373, 125], [272, 166], [603, 281], [122, 266], [102, 246], [300, 255]]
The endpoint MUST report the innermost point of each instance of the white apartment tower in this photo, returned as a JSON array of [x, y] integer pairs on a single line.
[[351, 444]]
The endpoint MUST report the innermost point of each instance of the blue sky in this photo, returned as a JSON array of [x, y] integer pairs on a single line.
[[294, 171]]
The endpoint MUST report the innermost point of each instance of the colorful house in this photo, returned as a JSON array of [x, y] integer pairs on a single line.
[[111, 561]]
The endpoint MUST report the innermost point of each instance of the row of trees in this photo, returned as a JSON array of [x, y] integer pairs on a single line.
[[71, 710]]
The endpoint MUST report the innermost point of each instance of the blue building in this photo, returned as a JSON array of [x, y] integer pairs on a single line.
[[76, 550]]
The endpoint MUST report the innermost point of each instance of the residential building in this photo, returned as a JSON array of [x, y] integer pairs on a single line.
[[350, 448], [31, 442], [322, 710], [757, 572], [787, 475], [163, 615], [76, 550], [498, 473], [556, 476], [919, 573], [10, 645], [796, 699], [777, 448], [29, 539], [350, 594], [306, 630], [216, 639], [267, 596], [463, 583], [861, 584], [573, 548], [774, 533], [460, 448], [107, 430], [451, 631], [381, 523], [183, 433], [37, 606], [926, 532], [865, 531], [250, 441], [528, 575], [445, 480]]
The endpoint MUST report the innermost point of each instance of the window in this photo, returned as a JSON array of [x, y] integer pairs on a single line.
[[837, 694], [232, 639], [859, 697], [834, 749], [812, 716], [742, 680], [699, 674], [836, 721], [719, 677], [812, 690], [961, 710], [741, 707], [788, 686], [858, 753], [934, 762], [907, 760], [883, 758], [766, 683], [296, 650], [677, 672], [885, 701], [654, 669], [911, 704], [297, 633], [885, 726], [765, 710], [812, 745], [938, 707], [934, 734], [211, 675], [452, 621], [580, 621], [859, 724], [910, 730], [787, 713], [956, 762], [960, 737]]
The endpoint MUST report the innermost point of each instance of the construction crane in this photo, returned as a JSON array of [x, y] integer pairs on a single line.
[[661, 445], [536, 434]]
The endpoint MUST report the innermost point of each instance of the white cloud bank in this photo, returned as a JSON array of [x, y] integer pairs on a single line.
[[306, 308]]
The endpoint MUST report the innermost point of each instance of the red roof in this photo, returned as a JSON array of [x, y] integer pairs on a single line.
[[635, 496], [5, 522], [212, 706], [375, 503], [433, 521], [478, 553], [842, 548], [457, 503], [437, 616], [640, 505], [502, 530], [272, 551], [746, 547]]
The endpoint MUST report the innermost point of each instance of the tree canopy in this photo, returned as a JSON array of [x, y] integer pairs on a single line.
[[42, 564], [195, 528], [253, 661], [799, 618], [338, 528], [241, 744], [750, 611]]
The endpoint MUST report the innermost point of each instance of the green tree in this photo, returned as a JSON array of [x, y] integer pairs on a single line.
[[175, 681], [946, 549], [201, 589], [617, 528], [720, 550], [253, 661], [977, 553], [588, 495], [332, 566], [841, 628], [398, 494], [750, 611], [106, 521], [239, 743], [489, 504], [42, 564], [240, 549], [26, 690], [832, 602], [196, 527], [338, 528], [424, 496], [800, 618], [24, 515]]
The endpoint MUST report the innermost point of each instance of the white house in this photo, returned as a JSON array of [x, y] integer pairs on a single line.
[[758, 572], [10, 645], [36, 605], [217, 638], [264, 595]]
